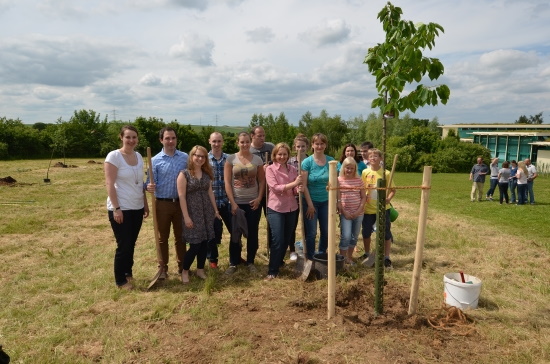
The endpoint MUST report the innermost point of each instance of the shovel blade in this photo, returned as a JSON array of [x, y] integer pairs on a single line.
[[306, 269], [155, 280]]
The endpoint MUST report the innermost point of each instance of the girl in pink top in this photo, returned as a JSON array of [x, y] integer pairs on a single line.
[[283, 180], [351, 202]]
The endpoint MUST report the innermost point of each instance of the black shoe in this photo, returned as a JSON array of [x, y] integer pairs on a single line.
[[364, 256], [387, 263]]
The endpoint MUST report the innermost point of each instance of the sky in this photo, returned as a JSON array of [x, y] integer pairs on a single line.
[[217, 62]]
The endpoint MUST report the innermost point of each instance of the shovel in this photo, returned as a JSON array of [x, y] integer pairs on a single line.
[[306, 267], [155, 222]]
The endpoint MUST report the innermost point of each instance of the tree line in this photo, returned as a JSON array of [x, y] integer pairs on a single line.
[[87, 135]]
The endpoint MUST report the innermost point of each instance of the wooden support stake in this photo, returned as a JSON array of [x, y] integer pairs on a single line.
[[331, 252], [420, 236]]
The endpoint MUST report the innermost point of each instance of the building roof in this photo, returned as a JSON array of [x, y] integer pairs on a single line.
[[514, 133], [500, 126]]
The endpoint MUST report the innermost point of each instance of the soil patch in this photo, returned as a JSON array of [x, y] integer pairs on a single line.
[[63, 165], [292, 327], [7, 180]]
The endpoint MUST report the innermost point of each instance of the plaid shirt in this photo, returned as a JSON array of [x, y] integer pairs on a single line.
[[218, 184]]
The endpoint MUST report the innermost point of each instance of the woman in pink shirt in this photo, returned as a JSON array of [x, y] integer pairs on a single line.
[[283, 180]]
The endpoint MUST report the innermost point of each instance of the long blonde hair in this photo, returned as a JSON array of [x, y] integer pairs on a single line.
[[523, 167], [347, 162], [206, 167]]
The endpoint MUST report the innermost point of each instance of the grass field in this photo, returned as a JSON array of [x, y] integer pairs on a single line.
[[60, 304]]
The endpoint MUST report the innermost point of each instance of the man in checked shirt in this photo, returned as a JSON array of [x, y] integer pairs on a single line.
[[217, 159]]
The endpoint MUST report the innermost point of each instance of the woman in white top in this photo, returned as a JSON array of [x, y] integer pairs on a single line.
[[521, 176], [245, 185], [126, 202]]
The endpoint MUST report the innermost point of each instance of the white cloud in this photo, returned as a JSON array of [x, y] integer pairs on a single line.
[[46, 93], [198, 60], [59, 61], [508, 60], [151, 79], [260, 35], [329, 32], [194, 48]]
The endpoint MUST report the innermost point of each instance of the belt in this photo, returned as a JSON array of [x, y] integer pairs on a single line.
[[168, 199]]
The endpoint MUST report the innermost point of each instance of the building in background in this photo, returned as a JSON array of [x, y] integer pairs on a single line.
[[508, 141]]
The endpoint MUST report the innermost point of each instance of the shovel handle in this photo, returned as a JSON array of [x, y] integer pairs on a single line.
[[154, 206]]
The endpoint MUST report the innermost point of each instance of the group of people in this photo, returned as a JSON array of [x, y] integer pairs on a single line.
[[518, 177], [198, 193]]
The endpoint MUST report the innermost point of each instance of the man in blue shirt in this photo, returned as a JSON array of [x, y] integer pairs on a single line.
[[166, 166], [477, 176], [217, 159]]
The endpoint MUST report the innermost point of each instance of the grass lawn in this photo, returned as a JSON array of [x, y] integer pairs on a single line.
[[60, 304]]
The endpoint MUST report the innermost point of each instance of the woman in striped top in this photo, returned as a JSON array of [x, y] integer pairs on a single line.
[[351, 202]]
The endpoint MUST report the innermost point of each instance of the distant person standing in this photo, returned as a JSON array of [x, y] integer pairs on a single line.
[[494, 179], [503, 178], [166, 166], [531, 175], [521, 175], [513, 181], [258, 145], [126, 202], [477, 176], [217, 159]]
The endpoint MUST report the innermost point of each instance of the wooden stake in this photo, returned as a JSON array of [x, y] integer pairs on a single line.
[[331, 252], [426, 184]]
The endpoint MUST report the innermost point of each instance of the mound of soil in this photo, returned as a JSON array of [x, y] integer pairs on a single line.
[[63, 165], [7, 180]]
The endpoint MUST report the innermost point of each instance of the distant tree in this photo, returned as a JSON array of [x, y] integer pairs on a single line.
[[537, 119], [277, 129], [334, 127], [187, 137], [149, 133], [19, 141]]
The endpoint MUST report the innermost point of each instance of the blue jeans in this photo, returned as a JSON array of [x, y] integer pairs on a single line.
[[126, 235], [522, 194], [310, 227], [513, 184], [252, 220], [492, 187], [530, 192], [225, 213], [282, 225], [349, 232]]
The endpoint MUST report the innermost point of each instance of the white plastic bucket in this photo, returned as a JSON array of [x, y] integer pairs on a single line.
[[461, 295]]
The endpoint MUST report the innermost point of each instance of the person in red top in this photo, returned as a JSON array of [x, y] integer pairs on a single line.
[[283, 180]]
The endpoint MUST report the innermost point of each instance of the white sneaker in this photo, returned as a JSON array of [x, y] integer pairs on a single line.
[[293, 256]]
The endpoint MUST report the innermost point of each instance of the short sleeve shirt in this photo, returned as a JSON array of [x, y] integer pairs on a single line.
[[317, 178], [245, 178]]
